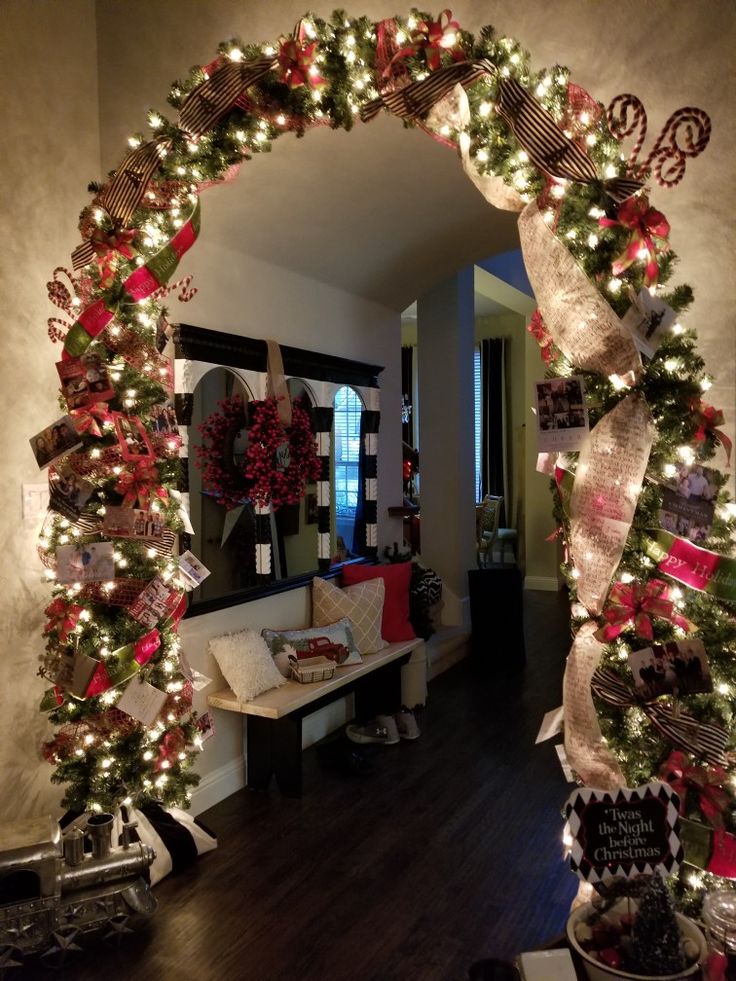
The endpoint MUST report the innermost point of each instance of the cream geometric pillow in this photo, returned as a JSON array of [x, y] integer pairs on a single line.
[[362, 604]]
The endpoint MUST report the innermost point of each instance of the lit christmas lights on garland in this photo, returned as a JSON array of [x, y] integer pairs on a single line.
[[329, 72]]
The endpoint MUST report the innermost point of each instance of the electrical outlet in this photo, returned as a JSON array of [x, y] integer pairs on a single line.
[[35, 500]]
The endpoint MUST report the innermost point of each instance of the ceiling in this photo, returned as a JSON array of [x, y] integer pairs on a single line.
[[384, 211]]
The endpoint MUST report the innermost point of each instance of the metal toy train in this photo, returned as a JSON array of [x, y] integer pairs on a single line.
[[52, 892]]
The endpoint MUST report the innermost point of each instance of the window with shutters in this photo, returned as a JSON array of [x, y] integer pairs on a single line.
[[348, 407]]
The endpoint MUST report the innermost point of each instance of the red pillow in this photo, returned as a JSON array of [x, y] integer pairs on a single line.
[[395, 625]]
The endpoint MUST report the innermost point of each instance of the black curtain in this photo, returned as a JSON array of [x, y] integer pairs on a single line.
[[493, 416]]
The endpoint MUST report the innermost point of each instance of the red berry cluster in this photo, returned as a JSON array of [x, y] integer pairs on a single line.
[[266, 434], [219, 473]]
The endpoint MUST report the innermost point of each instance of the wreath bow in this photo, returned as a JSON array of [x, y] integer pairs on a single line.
[[649, 230], [63, 617], [638, 603], [141, 484], [704, 782]]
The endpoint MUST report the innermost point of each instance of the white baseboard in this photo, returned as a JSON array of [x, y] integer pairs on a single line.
[[549, 584], [218, 785]]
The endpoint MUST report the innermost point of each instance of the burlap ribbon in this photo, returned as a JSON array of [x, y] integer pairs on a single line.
[[276, 386], [701, 739], [586, 749], [610, 471]]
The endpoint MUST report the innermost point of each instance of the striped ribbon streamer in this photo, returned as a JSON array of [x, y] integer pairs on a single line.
[[414, 101], [701, 739], [206, 104], [548, 147], [125, 191], [323, 417], [371, 422]]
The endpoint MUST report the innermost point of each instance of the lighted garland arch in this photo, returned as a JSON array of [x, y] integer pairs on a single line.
[[532, 142]]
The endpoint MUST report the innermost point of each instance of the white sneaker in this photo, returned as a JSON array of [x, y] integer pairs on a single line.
[[381, 730], [407, 725]]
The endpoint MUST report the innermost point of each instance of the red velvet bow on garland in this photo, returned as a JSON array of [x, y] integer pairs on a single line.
[[707, 783], [433, 37], [708, 418], [297, 60], [87, 419], [173, 743], [649, 230], [638, 603], [142, 483], [64, 616]]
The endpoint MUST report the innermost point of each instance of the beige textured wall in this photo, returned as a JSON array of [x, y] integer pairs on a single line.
[[48, 111]]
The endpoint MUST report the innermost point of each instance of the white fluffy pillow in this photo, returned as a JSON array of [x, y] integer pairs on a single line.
[[246, 663]]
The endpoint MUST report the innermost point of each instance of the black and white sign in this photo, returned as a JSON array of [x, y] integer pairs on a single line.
[[629, 833]]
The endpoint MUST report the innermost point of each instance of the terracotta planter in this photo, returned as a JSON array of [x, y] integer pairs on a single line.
[[596, 971]]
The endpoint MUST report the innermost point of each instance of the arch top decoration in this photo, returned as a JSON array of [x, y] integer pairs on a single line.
[[598, 258]]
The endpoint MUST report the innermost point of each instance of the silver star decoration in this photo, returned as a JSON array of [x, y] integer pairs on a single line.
[[118, 927], [64, 944], [7, 955]]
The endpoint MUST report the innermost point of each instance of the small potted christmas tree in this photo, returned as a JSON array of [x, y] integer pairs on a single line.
[[636, 938]]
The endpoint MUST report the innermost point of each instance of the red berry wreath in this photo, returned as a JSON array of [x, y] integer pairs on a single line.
[[279, 461]]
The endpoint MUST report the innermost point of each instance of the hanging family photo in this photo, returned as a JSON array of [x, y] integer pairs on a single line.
[[156, 602], [649, 319], [191, 571], [679, 667], [688, 502], [54, 441], [562, 416], [85, 563], [132, 437], [132, 523], [84, 381], [68, 492], [163, 419]]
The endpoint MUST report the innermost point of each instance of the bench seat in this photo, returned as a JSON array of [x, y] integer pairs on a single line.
[[273, 736]]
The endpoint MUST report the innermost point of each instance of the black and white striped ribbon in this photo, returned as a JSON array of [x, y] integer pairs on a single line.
[[126, 189], [700, 739], [547, 146], [206, 104], [264, 558], [83, 255], [371, 422], [414, 101], [323, 416]]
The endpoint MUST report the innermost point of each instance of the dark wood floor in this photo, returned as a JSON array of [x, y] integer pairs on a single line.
[[447, 853]]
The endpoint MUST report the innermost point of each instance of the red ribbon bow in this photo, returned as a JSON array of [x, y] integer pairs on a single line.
[[708, 418], [297, 59], [120, 241], [538, 329], [170, 746], [433, 37], [87, 418], [64, 616], [649, 230], [638, 603], [706, 782], [140, 484]]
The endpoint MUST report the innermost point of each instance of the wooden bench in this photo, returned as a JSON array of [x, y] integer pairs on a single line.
[[273, 731]]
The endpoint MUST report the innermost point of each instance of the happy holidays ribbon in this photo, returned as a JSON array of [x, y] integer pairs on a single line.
[[141, 283], [708, 418], [696, 567], [63, 617], [637, 603], [88, 418], [297, 60], [701, 739], [704, 783], [649, 230], [140, 484]]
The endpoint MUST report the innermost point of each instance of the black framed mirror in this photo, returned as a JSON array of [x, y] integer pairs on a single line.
[[251, 551]]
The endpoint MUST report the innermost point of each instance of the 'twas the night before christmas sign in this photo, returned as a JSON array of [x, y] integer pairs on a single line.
[[629, 832]]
